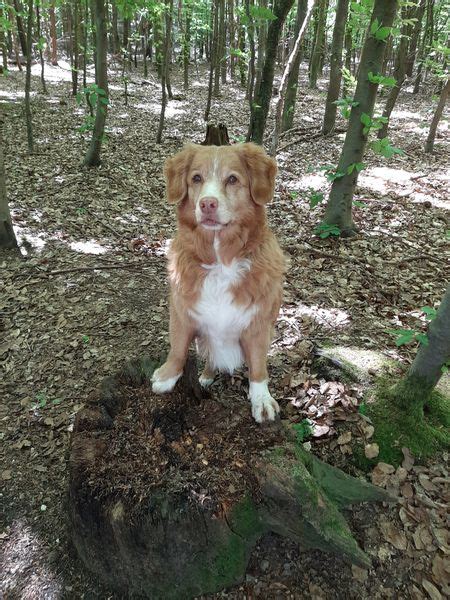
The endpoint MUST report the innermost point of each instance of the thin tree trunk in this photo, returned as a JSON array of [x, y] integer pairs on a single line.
[[241, 62], [437, 117], [334, 85], [262, 39], [75, 49], [53, 38], [251, 62], [186, 45], [7, 235], [212, 52], [20, 28], [420, 11], [231, 35], [287, 71], [15, 41], [3, 46], [318, 48], [115, 30], [261, 104], [165, 68], [93, 154], [28, 78], [223, 44], [218, 17], [41, 54], [427, 35], [399, 72], [426, 369], [339, 207]]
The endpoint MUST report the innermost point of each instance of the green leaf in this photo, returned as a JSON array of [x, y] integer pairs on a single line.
[[259, 12], [359, 204], [324, 230], [429, 311], [375, 26], [422, 338], [366, 119], [383, 33], [303, 430], [315, 199]]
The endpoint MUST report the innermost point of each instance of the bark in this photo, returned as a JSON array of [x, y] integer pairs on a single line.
[[212, 52], [75, 48], [157, 37], [318, 45], [339, 206], [15, 42], [231, 37], [241, 62], [420, 11], [125, 33], [261, 104], [114, 30], [165, 68], [427, 38], [3, 46], [334, 85], [218, 21], [168, 545], [54, 45], [251, 63], [262, 39], [7, 236], [20, 27], [93, 154], [292, 83], [28, 115], [437, 117], [399, 73], [41, 54], [216, 135], [168, 49], [223, 45], [186, 45], [290, 66], [426, 369]]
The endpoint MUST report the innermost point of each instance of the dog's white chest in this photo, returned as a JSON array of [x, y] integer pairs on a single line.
[[220, 321]]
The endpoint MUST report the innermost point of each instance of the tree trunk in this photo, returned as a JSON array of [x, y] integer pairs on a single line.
[[290, 66], [15, 42], [41, 54], [168, 50], [420, 10], [93, 154], [75, 48], [287, 119], [165, 68], [339, 207], [223, 45], [437, 117], [334, 85], [54, 44], [399, 72], [186, 45], [212, 52], [262, 39], [426, 369], [218, 20], [231, 36], [28, 78], [251, 62], [3, 47], [261, 104], [7, 236], [20, 28], [114, 29], [172, 533], [318, 47], [241, 62], [427, 35]]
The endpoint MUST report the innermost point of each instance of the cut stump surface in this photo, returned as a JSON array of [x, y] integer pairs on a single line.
[[169, 494]]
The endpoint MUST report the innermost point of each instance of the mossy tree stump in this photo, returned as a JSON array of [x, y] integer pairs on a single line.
[[169, 494]]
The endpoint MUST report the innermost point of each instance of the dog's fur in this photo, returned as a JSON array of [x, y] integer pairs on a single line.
[[225, 266]]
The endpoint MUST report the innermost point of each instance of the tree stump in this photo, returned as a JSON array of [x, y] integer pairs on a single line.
[[169, 494], [216, 135]]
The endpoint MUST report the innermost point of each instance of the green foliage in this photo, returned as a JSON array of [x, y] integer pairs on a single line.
[[429, 311], [381, 79], [380, 33], [370, 123], [315, 198], [303, 430], [324, 230], [359, 204], [93, 95], [345, 105], [405, 336], [349, 79], [385, 148], [358, 167], [85, 339]]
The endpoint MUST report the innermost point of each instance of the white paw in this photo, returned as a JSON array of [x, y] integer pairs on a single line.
[[205, 381], [264, 407], [162, 386]]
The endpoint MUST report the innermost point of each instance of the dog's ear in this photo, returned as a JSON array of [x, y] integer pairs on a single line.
[[261, 170], [175, 172]]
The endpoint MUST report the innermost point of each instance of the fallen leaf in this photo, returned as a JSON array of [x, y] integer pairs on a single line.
[[371, 450], [393, 535], [408, 459], [431, 590], [344, 438]]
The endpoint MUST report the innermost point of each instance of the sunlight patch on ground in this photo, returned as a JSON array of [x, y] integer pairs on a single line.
[[155, 108], [315, 181], [61, 72], [360, 358], [88, 247], [13, 96], [25, 574]]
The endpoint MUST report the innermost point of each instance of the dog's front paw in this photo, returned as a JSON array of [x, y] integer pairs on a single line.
[[161, 384], [264, 407]]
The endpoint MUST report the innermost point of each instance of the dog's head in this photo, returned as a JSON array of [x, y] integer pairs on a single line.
[[220, 185]]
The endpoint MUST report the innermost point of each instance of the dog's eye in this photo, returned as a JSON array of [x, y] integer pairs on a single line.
[[232, 179], [196, 178]]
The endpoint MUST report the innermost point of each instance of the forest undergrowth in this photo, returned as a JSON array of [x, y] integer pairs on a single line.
[[90, 292]]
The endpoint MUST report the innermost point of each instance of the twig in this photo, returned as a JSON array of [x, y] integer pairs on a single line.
[[310, 137], [105, 224], [94, 268]]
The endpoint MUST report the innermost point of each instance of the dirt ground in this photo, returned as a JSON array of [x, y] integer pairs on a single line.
[[90, 292]]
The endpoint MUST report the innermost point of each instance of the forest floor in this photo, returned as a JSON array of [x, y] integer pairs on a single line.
[[90, 292]]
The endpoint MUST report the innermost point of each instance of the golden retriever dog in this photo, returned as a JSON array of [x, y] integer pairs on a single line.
[[226, 268]]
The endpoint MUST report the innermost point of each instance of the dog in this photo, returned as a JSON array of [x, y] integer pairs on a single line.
[[226, 269]]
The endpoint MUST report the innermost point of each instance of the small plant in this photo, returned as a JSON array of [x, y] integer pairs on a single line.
[[380, 33], [303, 430], [324, 230], [80, 210], [381, 79], [345, 105], [315, 198], [385, 148], [85, 339], [93, 95]]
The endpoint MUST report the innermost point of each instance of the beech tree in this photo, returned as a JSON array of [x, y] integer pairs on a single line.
[[334, 85], [339, 207], [7, 235], [437, 117], [93, 154], [28, 78]]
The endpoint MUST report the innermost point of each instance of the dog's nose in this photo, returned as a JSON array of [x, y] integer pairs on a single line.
[[208, 206]]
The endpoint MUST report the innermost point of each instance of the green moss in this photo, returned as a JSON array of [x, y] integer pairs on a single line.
[[244, 519], [400, 420]]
